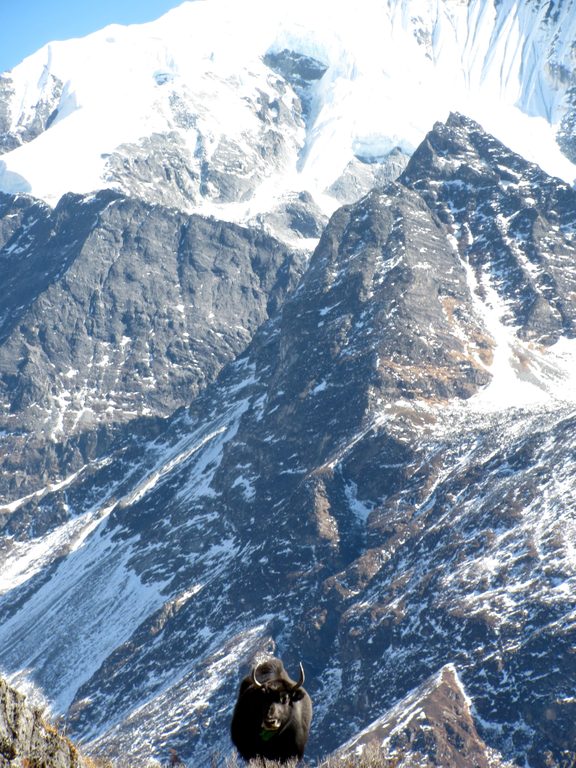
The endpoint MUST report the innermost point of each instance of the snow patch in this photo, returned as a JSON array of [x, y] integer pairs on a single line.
[[524, 373], [95, 575]]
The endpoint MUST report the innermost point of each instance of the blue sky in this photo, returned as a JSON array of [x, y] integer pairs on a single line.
[[26, 25]]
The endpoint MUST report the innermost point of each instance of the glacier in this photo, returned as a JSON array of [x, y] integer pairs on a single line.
[[391, 70]]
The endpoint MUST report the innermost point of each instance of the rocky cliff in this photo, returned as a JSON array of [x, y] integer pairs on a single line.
[[27, 740], [115, 311]]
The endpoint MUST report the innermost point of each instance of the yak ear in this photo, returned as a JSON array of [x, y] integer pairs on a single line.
[[298, 694]]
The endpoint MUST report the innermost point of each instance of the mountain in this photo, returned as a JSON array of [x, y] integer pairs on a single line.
[[229, 108], [118, 311], [432, 726], [379, 485], [286, 369]]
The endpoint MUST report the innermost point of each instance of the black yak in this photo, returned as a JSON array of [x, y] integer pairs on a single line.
[[272, 715]]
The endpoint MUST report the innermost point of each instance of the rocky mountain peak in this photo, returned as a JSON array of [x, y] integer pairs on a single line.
[[514, 225], [432, 726]]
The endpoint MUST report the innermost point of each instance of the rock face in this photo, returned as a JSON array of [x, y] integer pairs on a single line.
[[378, 483], [33, 122], [171, 168], [432, 726], [27, 741], [514, 224], [115, 310], [300, 71]]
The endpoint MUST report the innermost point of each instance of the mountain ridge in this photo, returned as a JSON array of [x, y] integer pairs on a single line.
[[203, 287], [328, 497]]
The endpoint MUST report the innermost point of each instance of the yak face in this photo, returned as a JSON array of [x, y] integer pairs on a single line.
[[276, 705]]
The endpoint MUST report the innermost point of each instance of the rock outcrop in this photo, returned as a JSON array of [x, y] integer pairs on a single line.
[[27, 740], [431, 727]]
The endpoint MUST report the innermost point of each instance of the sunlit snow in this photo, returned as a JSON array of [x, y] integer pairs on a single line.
[[393, 70], [524, 373]]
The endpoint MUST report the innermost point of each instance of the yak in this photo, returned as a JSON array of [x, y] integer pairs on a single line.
[[272, 715]]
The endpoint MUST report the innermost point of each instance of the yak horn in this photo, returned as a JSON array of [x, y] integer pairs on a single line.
[[300, 682], [255, 681]]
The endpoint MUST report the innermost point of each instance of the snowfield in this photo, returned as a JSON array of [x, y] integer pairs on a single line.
[[392, 70]]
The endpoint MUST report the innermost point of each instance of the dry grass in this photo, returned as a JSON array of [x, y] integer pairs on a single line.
[[372, 757], [94, 762]]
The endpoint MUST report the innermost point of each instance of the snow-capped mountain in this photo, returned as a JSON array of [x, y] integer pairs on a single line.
[[203, 106], [350, 442]]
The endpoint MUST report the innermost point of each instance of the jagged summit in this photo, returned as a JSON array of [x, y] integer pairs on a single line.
[[514, 230]]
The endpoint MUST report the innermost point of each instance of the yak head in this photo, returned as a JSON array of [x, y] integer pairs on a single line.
[[277, 696]]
